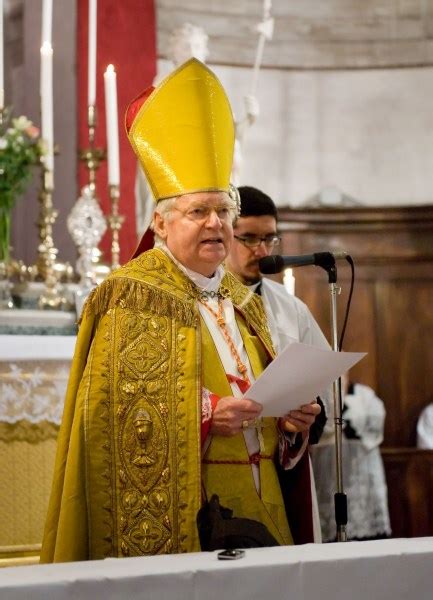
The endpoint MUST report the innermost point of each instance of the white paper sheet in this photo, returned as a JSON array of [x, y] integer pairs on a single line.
[[297, 375]]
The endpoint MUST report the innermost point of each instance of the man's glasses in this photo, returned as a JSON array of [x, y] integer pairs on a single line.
[[200, 213], [253, 241]]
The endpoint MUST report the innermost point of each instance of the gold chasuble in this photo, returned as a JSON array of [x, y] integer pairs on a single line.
[[128, 475]]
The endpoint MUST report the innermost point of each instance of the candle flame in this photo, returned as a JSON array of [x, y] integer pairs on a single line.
[[110, 69], [46, 48]]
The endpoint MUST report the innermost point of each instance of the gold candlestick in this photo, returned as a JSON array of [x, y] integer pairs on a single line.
[[92, 156], [47, 252], [115, 222]]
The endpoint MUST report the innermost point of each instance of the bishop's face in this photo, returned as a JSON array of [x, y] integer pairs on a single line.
[[243, 259], [198, 230]]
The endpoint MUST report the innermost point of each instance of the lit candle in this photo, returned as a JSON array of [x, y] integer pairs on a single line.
[[47, 103], [92, 53], [46, 34], [289, 281], [112, 125], [2, 87], [47, 21]]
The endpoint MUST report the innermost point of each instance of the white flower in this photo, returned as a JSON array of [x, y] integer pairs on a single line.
[[3, 143], [21, 123]]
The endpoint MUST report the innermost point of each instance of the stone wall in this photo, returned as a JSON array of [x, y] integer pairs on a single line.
[[367, 132], [345, 93], [310, 34]]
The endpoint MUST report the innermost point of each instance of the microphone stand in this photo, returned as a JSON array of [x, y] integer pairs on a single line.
[[340, 498], [326, 260]]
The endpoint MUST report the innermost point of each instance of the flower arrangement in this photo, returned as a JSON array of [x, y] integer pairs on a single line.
[[20, 148]]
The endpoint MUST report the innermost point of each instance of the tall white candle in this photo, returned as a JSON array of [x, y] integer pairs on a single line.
[[47, 103], [2, 85], [112, 125], [46, 33], [47, 21], [93, 13]]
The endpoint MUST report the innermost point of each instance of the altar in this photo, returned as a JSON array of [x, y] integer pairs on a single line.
[[34, 371], [381, 570]]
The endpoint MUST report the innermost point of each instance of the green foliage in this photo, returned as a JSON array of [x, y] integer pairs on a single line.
[[20, 149]]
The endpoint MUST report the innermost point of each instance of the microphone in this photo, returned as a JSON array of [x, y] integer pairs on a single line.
[[270, 265]]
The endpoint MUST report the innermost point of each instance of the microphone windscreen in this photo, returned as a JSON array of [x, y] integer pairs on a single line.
[[271, 264]]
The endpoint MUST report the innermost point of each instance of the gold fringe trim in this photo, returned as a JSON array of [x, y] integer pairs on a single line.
[[139, 296]]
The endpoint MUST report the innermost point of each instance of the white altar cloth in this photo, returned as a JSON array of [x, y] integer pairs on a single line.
[[396, 569], [34, 372], [36, 347]]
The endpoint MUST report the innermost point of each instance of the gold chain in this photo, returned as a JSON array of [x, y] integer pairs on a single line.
[[242, 369], [219, 316]]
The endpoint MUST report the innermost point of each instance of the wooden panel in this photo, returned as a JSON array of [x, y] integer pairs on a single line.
[[409, 475], [312, 288], [404, 343], [391, 318]]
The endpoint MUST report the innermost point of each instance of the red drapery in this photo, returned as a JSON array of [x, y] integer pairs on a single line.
[[126, 39]]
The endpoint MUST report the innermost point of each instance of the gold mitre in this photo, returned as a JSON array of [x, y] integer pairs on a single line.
[[183, 133]]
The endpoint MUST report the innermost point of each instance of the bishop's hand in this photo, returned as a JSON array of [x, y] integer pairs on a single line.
[[233, 415], [300, 420]]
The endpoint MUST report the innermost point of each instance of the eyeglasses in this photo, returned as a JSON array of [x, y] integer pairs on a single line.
[[200, 213], [253, 241]]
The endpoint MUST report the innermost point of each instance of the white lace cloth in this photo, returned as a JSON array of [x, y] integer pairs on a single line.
[[364, 484], [34, 372], [363, 472], [33, 391]]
